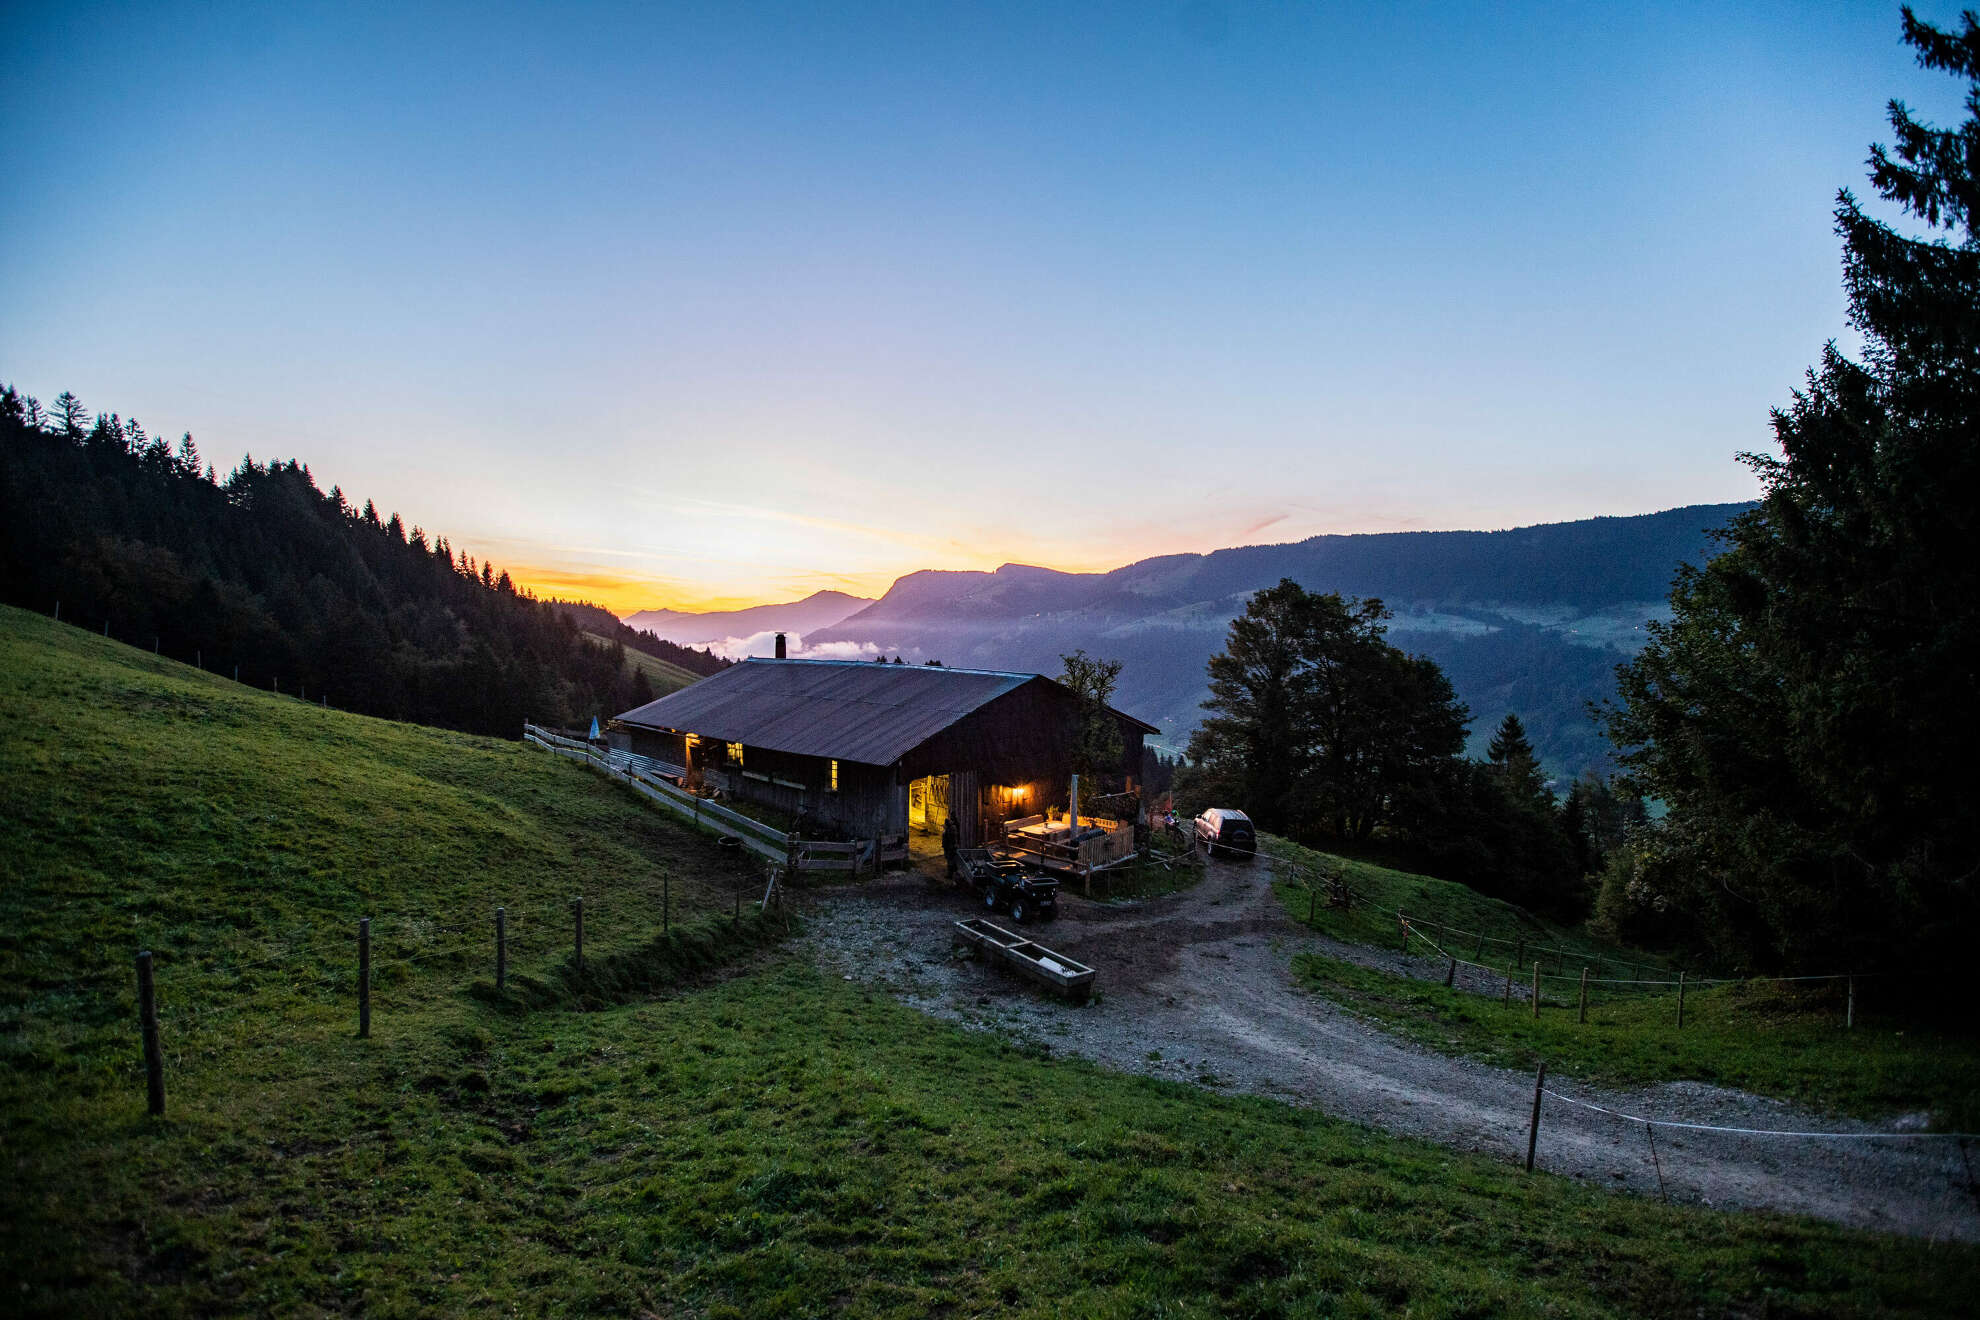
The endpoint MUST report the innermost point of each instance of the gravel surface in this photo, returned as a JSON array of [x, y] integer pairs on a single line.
[[1197, 987]]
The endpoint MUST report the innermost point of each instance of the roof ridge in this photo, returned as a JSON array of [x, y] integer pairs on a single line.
[[866, 664]]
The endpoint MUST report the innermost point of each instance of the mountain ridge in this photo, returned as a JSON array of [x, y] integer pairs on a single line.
[[691, 628], [1530, 619]]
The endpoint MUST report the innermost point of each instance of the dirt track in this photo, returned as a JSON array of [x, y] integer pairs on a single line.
[[1197, 987]]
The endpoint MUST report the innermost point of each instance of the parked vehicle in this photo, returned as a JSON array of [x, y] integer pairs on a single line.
[[1009, 886], [1226, 830]]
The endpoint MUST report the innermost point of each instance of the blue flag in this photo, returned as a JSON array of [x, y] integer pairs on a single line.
[[594, 728]]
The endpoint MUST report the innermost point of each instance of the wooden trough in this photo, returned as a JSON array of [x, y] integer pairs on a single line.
[[1029, 959]]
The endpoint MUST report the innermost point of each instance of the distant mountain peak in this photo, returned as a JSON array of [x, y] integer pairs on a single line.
[[821, 609], [1529, 619]]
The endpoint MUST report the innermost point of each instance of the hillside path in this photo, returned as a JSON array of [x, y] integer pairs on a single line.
[[1197, 987]]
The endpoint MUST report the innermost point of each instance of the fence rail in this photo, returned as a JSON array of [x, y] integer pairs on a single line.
[[754, 835], [765, 841]]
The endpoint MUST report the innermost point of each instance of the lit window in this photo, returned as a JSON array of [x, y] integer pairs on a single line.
[[735, 754], [835, 776]]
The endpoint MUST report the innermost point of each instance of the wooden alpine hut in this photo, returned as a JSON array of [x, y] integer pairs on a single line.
[[875, 749]]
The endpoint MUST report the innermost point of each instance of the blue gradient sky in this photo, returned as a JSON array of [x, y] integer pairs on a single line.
[[700, 304]]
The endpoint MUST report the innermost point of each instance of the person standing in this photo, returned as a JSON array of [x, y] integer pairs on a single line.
[[949, 845]]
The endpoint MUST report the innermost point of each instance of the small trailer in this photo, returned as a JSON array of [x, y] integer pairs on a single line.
[[1028, 958]]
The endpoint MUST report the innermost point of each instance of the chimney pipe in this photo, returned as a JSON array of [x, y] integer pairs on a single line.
[[780, 646]]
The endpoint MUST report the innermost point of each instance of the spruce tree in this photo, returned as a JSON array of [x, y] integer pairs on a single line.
[[70, 415], [1807, 714], [1513, 755]]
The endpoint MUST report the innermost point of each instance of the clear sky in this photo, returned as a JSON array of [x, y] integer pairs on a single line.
[[711, 304]]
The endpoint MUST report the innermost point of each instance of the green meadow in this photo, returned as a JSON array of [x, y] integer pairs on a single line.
[[698, 1124]]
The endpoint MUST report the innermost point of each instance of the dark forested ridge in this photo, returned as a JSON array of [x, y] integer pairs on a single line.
[[598, 620], [299, 588]]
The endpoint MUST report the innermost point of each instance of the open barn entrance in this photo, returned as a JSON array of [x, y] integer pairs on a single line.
[[928, 804], [935, 800]]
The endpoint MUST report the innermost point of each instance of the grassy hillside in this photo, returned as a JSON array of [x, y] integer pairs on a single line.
[[775, 1143], [1776, 1039], [152, 805], [664, 675], [1452, 914]]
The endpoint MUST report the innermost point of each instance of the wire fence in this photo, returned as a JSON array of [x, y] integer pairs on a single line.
[[1525, 975], [1541, 1092]]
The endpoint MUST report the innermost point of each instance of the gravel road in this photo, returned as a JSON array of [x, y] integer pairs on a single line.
[[1197, 987]]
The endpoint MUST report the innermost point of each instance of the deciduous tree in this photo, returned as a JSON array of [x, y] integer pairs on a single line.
[[1096, 742]]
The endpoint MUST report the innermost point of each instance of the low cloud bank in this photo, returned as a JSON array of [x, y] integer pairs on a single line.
[[765, 644]]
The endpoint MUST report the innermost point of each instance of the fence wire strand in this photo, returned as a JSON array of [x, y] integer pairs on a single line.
[[1759, 1132]]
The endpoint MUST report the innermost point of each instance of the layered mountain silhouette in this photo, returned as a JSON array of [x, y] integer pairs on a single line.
[[820, 609], [1531, 620]]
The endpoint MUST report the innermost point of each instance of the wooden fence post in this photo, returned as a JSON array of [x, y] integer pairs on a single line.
[[154, 1058], [1506, 998], [1536, 988], [1533, 1127], [364, 978], [1520, 957], [1450, 974], [577, 933], [1849, 1010], [501, 948], [1312, 901], [1584, 997], [1680, 1000]]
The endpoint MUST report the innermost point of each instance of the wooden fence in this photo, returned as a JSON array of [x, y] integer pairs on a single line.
[[767, 842]]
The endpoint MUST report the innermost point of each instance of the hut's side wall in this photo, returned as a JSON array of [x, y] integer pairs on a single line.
[[1021, 741]]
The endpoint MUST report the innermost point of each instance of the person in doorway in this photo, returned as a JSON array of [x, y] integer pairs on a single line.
[[949, 845]]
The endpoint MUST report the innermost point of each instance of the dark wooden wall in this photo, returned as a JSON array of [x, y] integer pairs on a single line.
[[1023, 738]]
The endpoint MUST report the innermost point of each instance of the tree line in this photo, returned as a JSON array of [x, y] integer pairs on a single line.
[[1808, 712], [263, 572], [1806, 719], [1320, 729]]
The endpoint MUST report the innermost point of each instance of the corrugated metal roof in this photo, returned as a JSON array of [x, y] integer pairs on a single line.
[[855, 710]]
